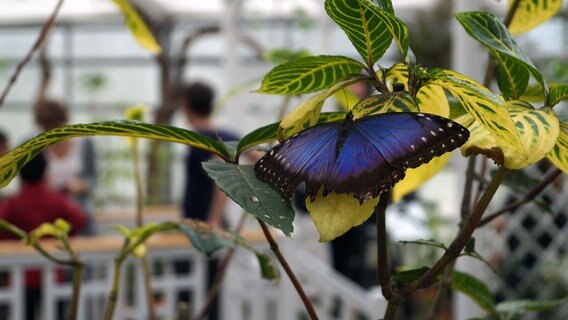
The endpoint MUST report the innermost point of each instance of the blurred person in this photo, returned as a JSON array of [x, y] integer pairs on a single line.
[[72, 167], [202, 199], [35, 203]]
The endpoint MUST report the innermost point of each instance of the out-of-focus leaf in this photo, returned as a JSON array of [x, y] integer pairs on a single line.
[[309, 74], [416, 177], [521, 307], [531, 13], [558, 94], [137, 27], [283, 55], [407, 276], [257, 198], [334, 214], [475, 289]]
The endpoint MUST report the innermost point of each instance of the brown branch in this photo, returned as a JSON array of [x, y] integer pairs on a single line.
[[527, 198], [46, 28], [383, 265], [469, 177], [297, 285]]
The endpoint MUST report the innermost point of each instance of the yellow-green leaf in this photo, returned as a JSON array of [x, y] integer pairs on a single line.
[[309, 74], [47, 229], [391, 102], [398, 73], [346, 98], [432, 99], [557, 94], [307, 113], [14, 160], [531, 13], [559, 154], [335, 214], [538, 129], [486, 107], [137, 27], [414, 178]]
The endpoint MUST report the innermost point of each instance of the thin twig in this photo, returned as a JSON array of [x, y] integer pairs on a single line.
[[461, 239], [469, 177], [78, 269], [37, 44], [383, 265], [527, 198], [297, 285]]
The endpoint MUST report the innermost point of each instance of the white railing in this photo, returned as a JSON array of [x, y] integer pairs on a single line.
[[244, 294]]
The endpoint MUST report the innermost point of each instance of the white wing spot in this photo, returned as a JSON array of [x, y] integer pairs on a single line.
[[424, 139], [420, 114], [428, 118], [441, 129], [443, 145], [452, 140], [433, 133], [413, 147], [450, 124]]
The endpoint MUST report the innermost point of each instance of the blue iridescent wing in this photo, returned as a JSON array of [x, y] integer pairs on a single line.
[[307, 156], [379, 148]]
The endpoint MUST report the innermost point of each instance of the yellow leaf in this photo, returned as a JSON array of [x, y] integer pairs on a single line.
[[398, 73], [306, 114], [140, 251], [335, 214], [416, 177], [538, 129], [137, 27], [531, 13], [382, 103], [346, 99], [559, 154], [432, 99], [136, 112]]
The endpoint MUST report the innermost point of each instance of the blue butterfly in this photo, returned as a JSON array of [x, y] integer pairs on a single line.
[[366, 156]]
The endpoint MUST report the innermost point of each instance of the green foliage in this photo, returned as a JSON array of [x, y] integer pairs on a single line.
[[476, 290], [256, 197]]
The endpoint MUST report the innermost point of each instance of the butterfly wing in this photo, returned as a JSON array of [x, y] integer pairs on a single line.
[[379, 148], [307, 156]]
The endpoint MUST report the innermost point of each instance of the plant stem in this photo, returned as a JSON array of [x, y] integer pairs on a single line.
[[466, 200], [392, 307], [527, 198], [113, 295], [443, 291], [297, 285], [383, 265], [461, 239], [78, 269]]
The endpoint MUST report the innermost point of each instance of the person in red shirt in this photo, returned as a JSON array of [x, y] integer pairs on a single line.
[[34, 204]]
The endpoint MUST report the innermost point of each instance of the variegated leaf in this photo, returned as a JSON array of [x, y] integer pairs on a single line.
[[432, 99], [309, 74], [486, 28], [14, 160], [392, 102], [538, 129], [398, 73], [559, 154], [369, 27], [558, 94], [487, 108], [531, 13], [334, 214], [307, 114], [137, 27]]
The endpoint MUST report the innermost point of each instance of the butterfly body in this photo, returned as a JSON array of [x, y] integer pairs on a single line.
[[364, 157]]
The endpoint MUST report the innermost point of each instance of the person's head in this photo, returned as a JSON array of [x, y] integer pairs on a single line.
[[4, 145], [34, 170], [197, 100], [50, 114]]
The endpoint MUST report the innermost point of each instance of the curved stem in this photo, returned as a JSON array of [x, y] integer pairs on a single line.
[[468, 187], [297, 285], [383, 265], [79, 267], [113, 295]]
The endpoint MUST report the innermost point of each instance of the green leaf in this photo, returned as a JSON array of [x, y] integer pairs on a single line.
[[470, 246], [531, 13], [334, 214], [283, 55], [256, 197], [407, 276], [309, 74], [208, 240], [430, 242], [391, 102], [538, 129], [307, 113], [519, 307], [486, 107], [269, 133], [137, 27], [205, 238], [512, 79], [486, 28], [369, 28], [558, 94], [475, 289], [14, 160], [559, 154]]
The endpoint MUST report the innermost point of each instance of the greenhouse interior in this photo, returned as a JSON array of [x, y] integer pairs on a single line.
[[292, 159]]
